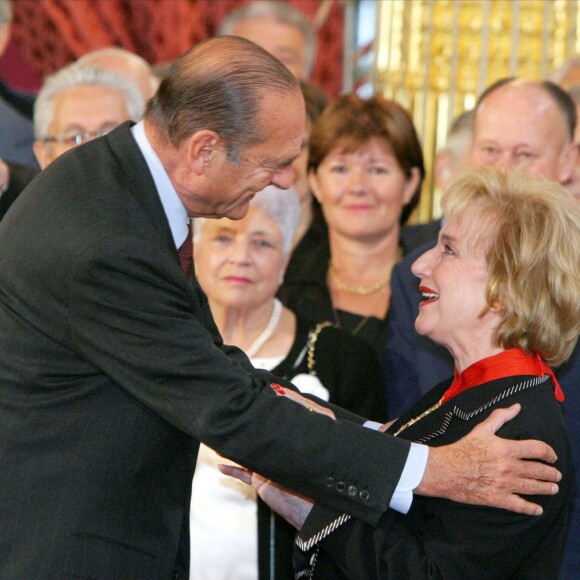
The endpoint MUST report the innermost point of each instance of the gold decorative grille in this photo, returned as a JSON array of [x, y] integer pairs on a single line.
[[436, 56]]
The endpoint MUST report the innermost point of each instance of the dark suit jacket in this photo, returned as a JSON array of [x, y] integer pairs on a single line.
[[21, 101], [20, 177], [412, 363], [440, 539], [17, 136], [111, 369]]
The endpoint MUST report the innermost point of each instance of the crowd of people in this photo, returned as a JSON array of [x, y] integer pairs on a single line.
[[214, 264]]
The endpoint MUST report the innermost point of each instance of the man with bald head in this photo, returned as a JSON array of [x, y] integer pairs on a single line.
[[516, 122], [124, 63], [112, 369], [526, 122]]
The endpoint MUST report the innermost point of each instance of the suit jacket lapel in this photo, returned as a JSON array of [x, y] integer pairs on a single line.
[[139, 180]]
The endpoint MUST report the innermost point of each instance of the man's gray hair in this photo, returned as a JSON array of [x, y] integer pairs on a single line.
[[219, 85], [5, 12], [281, 12], [281, 206], [74, 76]]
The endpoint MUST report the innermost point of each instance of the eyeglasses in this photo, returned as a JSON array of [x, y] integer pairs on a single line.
[[76, 138]]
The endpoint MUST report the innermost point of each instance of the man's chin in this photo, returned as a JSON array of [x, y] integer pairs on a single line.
[[238, 212]]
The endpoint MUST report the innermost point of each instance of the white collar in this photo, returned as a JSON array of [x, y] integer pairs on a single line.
[[172, 205]]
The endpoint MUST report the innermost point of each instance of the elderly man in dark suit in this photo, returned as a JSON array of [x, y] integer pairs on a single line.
[[111, 368]]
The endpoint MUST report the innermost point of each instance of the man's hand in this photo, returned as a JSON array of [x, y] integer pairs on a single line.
[[293, 507], [483, 469]]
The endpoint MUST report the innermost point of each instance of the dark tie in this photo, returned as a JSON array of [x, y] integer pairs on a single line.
[[185, 253]]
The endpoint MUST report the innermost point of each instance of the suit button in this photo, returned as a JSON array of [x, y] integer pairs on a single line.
[[352, 490], [364, 495], [340, 486], [329, 482]]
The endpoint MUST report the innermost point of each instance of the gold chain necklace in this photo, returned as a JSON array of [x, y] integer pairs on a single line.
[[419, 417], [360, 290]]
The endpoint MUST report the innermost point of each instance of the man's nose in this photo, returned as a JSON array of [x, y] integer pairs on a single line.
[[283, 178]]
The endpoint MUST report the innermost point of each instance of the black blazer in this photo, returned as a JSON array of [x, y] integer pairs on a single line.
[[20, 177], [111, 370], [441, 539]]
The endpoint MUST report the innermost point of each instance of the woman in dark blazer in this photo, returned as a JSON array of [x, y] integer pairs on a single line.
[[501, 292]]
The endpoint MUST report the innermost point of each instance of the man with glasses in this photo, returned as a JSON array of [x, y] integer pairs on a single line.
[[78, 104]]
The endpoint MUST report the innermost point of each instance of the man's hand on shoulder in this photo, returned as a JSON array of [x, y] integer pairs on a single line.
[[483, 469]]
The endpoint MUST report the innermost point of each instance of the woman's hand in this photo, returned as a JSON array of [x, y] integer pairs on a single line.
[[386, 426], [292, 507]]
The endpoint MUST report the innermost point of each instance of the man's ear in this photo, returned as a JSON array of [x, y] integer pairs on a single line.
[[40, 152], [313, 183], [567, 163], [201, 150]]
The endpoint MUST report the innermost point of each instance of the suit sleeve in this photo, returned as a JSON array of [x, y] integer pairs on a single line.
[[135, 317]]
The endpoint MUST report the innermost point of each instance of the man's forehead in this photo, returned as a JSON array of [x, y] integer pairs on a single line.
[[519, 106]]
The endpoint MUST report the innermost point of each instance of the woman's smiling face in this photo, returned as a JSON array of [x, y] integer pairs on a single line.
[[453, 281], [363, 192]]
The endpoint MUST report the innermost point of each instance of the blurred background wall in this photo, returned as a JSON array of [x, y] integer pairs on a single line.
[[432, 56]]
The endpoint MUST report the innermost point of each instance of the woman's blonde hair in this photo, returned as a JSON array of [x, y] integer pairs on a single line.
[[529, 230]]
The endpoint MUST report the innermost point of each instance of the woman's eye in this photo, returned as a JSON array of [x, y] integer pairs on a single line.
[[448, 250], [377, 170], [338, 169], [263, 244]]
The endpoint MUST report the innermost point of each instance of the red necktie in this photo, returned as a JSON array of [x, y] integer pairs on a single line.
[[185, 252]]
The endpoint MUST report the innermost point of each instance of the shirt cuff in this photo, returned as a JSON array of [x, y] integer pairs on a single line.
[[412, 473], [410, 478]]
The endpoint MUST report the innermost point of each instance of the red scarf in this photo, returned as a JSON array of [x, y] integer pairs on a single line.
[[509, 363]]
